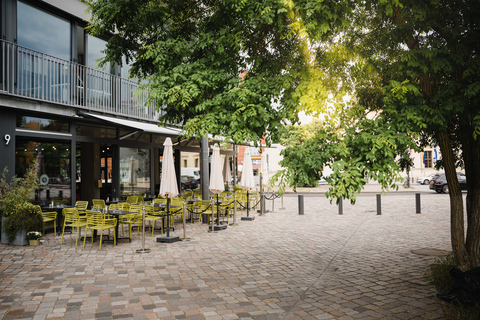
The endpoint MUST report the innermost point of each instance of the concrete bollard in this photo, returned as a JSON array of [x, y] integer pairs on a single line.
[[300, 204], [379, 204], [417, 203]]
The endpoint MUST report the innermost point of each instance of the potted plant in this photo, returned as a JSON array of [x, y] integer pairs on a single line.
[[18, 214], [34, 237]]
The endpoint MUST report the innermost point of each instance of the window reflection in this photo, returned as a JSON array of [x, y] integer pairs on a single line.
[[53, 168], [35, 123], [134, 172], [95, 48], [42, 31]]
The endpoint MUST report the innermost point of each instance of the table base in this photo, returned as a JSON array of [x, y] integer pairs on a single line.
[[248, 218], [218, 227], [168, 239]]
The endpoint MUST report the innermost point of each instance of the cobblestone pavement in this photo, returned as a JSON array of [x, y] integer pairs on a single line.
[[320, 265]]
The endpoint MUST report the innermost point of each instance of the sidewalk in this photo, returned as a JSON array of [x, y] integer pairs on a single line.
[[282, 265]]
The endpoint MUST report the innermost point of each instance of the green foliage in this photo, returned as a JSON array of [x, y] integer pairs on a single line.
[[15, 195], [27, 216], [15, 191], [236, 68]]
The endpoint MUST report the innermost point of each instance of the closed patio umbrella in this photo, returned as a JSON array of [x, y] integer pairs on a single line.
[[216, 180], [168, 184], [248, 181], [227, 173]]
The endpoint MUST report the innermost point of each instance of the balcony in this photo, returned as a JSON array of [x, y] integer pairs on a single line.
[[34, 75]]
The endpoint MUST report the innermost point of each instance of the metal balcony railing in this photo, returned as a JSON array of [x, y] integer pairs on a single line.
[[35, 75]]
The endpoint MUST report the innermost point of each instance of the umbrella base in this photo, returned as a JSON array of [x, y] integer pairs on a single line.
[[218, 227], [264, 211], [248, 218], [168, 239]]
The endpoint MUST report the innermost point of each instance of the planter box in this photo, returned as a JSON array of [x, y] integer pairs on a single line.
[[20, 239]]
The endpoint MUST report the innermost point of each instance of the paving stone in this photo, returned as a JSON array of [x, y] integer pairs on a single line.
[[321, 265]]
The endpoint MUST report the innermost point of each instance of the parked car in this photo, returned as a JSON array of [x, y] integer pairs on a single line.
[[426, 180], [439, 182], [188, 183]]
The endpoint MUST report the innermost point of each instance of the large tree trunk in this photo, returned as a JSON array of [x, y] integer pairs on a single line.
[[471, 158], [457, 222]]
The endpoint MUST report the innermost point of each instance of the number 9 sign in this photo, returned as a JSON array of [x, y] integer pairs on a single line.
[[7, 139]]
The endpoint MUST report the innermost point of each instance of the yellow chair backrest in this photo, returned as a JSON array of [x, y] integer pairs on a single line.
[[99, 203], [81, 205], [132, 199]]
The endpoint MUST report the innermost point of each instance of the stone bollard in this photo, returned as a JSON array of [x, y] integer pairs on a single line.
[[300, 204], [379, 204], [417, 203]]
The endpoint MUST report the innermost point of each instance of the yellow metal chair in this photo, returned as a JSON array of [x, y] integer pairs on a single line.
[[152, 216], [132, 199], [74, 220], [99, 203], [81, 205], [49, 217], [99, 221], [205, 208]]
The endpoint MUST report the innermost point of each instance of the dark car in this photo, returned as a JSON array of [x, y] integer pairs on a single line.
[[439, 182], [188, 183]]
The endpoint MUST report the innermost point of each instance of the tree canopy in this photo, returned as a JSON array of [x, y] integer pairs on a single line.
[[224, 67], [413, 70], [243, 68]]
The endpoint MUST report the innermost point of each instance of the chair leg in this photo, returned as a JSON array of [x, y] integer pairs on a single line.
[[101, 237], [85, 237], [63, 231]]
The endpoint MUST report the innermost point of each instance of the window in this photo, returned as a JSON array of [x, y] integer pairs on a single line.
[[95, 48], [35, 123], [185, 163], [42, 31], [43, 58], [196, 163], [134, 171], [53, 160], [427, 159]]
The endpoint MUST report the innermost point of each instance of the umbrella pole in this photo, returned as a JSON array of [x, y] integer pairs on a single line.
[[218, 211], [248, 205], [168, 217], [168, 239]]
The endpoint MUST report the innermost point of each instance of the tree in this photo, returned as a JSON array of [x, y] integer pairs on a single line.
[[301, 171], [224, 67], [413, 67]]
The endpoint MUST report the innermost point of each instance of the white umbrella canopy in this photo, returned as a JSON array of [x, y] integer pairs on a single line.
[[247, 182], [168, 184], [216, 176], [227, 173]]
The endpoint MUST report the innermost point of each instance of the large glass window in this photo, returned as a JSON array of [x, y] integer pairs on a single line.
[[134, 172], [43, 60], [53, 167], [95, 48], [35, 123], [42, 31]]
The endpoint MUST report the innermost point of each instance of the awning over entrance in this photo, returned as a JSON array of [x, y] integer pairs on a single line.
[[134, 125]]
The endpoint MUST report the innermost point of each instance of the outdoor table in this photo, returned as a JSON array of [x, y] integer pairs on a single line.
[[58, 209], [117, 214]]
